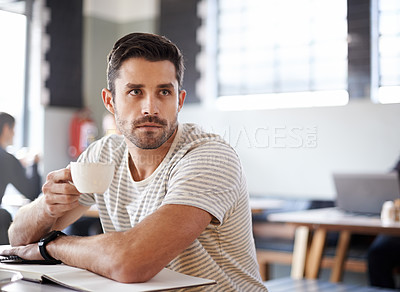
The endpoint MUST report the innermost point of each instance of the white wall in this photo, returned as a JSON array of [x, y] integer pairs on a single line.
[[292, 152], [121, 11], [56, 138]]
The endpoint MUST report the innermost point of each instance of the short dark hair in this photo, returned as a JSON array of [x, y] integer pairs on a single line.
[[151, 47], [6, 119]]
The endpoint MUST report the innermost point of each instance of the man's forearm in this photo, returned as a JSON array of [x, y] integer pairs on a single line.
[[104, 254], [137, 254], [30, 224]]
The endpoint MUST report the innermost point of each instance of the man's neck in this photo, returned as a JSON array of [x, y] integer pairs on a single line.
[[143, 162]]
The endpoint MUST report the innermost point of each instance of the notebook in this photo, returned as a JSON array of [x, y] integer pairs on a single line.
[[365, 193]]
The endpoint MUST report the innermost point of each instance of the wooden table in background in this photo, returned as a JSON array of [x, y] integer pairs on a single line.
[[307, 258]]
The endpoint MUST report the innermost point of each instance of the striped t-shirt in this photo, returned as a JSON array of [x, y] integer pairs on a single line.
[[200, 170]]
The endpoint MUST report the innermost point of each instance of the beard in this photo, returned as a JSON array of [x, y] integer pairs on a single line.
[[146, 139]]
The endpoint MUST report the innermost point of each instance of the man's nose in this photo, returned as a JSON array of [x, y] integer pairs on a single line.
[[150, 105]]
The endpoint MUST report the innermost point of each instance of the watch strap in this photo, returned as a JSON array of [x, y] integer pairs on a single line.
[[45, 240]]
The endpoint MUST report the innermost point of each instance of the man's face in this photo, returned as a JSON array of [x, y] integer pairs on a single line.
[[8, 133], [147, 101]]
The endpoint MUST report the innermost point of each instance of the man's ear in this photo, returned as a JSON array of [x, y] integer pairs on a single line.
[[108, 100], [181, 99]]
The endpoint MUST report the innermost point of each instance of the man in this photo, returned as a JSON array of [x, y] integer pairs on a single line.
[[12, 171], [26, 181], [178, 198]]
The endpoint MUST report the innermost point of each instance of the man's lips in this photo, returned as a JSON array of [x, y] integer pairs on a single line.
[[149, 125]]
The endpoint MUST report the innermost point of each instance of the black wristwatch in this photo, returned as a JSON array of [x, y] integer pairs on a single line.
[[45, 240]]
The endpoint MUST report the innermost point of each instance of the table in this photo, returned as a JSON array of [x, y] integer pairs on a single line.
[[257, 204], [260, 204], [314, 285], [321, 221]]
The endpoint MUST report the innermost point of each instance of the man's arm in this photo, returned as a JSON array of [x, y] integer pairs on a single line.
[[140, 253], [56, 209], [135, 255]]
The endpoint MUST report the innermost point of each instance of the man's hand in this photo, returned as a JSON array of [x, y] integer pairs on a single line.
[[60, 196], [27, 252], [56, 209]]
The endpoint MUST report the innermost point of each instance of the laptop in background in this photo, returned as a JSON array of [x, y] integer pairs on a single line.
[[365, 193]]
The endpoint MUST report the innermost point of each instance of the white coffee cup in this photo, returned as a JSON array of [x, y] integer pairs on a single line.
[[388, 212], [92, 177]]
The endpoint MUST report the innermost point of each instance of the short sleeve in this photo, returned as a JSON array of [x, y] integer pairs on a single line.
[[207, 177]]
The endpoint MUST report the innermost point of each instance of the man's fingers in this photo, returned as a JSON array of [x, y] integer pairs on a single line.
[[29, 252], [8, 252], [59, 181], [60, 175], [60, 195], [51, 187], [54, 199], [60, 188]]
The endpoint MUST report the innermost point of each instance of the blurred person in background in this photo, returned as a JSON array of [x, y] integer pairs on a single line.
[[384, 256], [24, 178]]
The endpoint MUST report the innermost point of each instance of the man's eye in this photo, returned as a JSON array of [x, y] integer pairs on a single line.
[[165, 92], [135, 92]]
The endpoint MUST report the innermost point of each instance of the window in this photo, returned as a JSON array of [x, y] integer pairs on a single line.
[[12, 73], [281, 53], [389, 51]]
